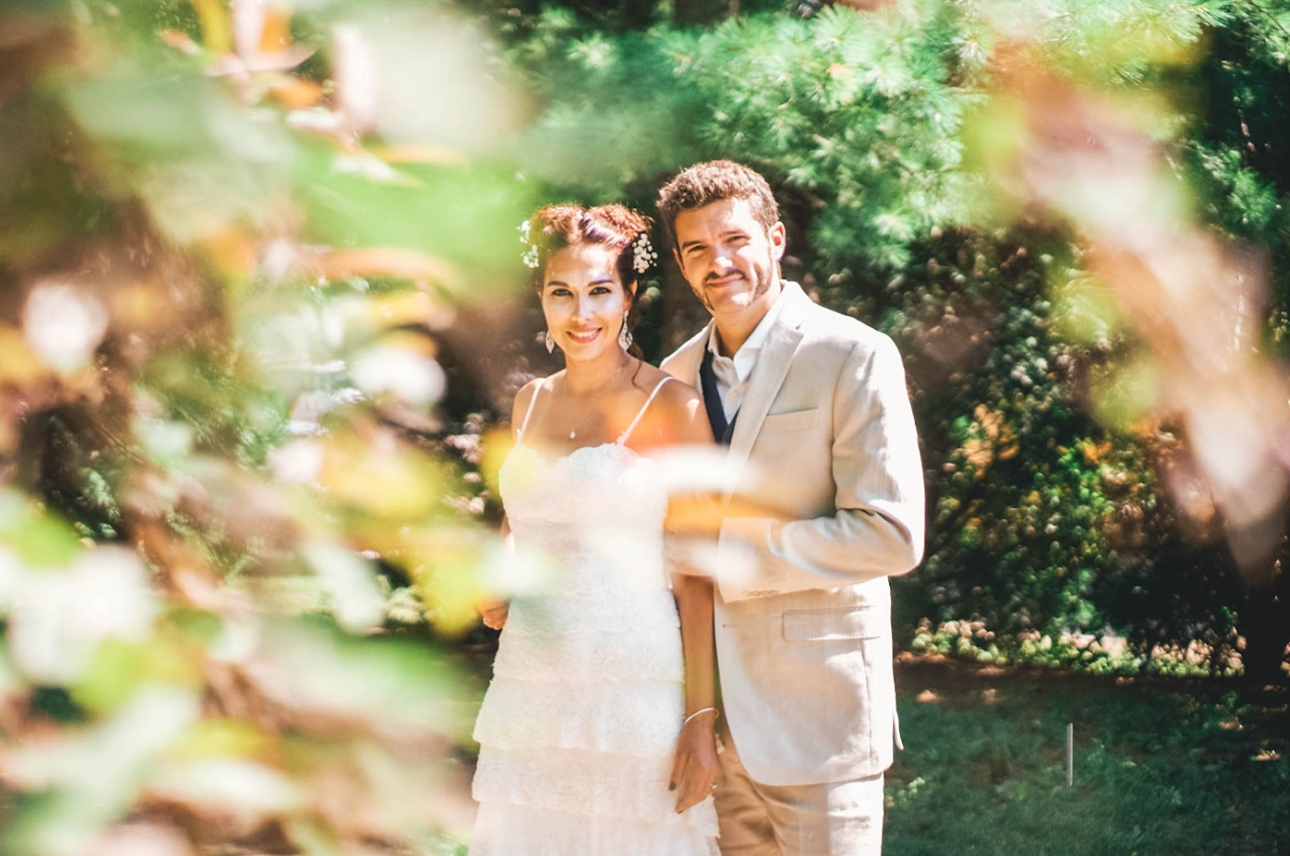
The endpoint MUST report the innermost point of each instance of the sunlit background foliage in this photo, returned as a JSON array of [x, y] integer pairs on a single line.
[[263, 304], [1066, 501]]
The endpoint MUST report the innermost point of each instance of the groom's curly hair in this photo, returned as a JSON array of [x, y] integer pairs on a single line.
[[713, 181]]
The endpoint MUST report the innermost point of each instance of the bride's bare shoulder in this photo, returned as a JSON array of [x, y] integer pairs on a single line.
[[648, 378], [524, 398], [677, 410]]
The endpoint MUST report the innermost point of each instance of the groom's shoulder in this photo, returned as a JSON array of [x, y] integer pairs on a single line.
[[835, 329], [689, 345]]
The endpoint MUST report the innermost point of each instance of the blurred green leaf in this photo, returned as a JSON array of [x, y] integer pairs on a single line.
[[36, 538], [120, 669], [461, 215], [91, 776], [223, 738], [397, 682]]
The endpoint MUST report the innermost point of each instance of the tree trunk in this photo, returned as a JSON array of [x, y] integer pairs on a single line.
[[1265, 624], [1261, 550]]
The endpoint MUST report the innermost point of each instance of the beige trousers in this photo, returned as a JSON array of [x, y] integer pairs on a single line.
[[829, 819]]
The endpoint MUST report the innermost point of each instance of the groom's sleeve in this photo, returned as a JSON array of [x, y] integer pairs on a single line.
[[877, 529]]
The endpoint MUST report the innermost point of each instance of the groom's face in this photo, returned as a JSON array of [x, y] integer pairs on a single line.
[[730, 260]]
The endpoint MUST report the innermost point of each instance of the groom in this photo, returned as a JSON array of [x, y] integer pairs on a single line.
[[814, 408]]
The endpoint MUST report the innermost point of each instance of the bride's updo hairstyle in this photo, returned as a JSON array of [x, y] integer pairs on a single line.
[[615, 227]]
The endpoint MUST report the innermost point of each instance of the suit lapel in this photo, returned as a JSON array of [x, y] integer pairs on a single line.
[[684, 363], [768, 375]]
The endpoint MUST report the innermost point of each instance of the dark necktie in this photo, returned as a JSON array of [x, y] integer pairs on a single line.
[[721, 429]]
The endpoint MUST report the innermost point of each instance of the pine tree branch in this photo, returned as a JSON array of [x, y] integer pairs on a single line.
[[1273, 18]]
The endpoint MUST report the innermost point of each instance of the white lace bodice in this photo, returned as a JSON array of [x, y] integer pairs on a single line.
[[598, 510]]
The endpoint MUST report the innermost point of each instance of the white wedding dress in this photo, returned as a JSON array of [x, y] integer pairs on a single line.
[[579, 725]]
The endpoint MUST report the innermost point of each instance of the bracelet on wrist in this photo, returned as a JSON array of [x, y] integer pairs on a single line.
[[700, 712]]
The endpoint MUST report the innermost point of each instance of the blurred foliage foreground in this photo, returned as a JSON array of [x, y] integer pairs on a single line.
[[218, 343]]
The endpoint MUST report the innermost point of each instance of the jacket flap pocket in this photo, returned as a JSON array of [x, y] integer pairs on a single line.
[[795, 421], [819, 625]]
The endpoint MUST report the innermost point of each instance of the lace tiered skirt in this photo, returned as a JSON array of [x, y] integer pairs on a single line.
[[578, 730]]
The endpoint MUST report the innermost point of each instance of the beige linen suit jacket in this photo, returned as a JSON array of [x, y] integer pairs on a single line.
[[826, 438]]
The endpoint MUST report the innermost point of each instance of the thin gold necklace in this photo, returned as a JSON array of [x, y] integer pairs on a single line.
[[586, 411]]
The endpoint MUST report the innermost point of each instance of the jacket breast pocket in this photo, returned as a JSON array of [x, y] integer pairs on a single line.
[[826, 625], [798, 420]]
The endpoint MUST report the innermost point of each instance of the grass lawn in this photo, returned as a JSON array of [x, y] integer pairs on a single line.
[[1161, 767]]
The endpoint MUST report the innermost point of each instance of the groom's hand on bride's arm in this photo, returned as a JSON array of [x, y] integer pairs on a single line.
[[695, 515], [703, 515], [696, 524], [690, 529]]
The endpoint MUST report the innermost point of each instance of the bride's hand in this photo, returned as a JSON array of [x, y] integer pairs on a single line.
[[695, 768], [494, 614]]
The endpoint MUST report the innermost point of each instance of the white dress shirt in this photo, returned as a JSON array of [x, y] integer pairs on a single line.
[[732, 373]]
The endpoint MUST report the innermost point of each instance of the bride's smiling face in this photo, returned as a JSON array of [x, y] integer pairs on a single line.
[[584, 301]]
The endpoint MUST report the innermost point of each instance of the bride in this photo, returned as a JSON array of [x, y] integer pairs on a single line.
[[597, 731]]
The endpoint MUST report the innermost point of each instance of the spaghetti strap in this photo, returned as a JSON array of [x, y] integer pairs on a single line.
[[632, 427], [519, 438]]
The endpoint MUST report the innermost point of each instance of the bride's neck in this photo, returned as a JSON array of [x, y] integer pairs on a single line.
[[592, 376]]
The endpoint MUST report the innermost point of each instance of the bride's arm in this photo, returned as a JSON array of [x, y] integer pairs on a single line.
[[695, 768], [494, 612]]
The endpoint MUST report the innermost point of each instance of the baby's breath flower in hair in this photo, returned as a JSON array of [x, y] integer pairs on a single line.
[[530, 257], [643, 255]]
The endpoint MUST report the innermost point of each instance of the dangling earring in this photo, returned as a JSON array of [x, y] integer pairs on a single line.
[[624, 335], [549, 342]]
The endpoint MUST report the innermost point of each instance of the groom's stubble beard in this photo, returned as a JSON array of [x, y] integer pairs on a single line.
[[761, 283]]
